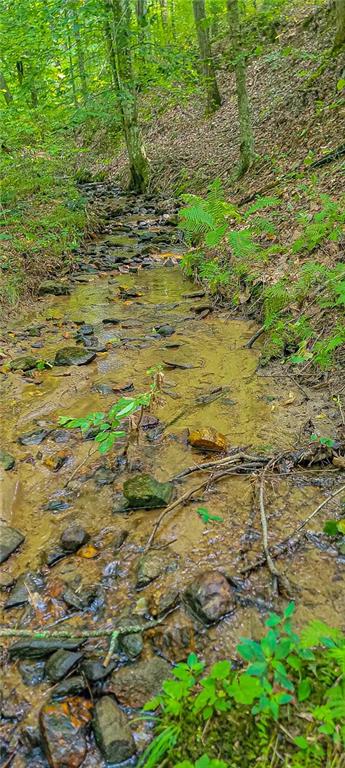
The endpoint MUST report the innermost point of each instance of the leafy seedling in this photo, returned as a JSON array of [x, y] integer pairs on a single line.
[[206, 516]]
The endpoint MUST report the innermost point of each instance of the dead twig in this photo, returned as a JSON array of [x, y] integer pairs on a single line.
[[255, 336], [278, 579], [284, 545]]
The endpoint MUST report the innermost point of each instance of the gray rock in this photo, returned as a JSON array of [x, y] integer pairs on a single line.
[[143, 491], [132, 645], [41, 648], [94, 670], [165, 330], [150, 566], [135, 684], [73, 537], [56, 554], [119, 539], [104, 476], [10, 540], [33, 438], [61, 663], [74, 356], [210, 596], [54, 288], [23, 363], [32, 672], [6, 580], [73, 686], [102, 389], [26, 583], [6, 460], [112, 732]]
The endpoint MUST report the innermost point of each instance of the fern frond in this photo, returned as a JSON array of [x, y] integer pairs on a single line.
[[242, 243], [261, 203]]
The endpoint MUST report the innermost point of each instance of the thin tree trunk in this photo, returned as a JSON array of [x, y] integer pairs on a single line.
[[5, 89], [111, 53], [70, 60], [80, 51], [143, 29], [138, 162], [213, 100], [164, 12], [340, 17], [247, 154]]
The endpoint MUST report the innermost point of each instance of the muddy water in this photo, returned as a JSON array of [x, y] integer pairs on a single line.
[[251, 410]]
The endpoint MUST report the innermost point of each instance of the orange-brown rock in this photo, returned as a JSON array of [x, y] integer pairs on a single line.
[[63, 727], [207, 439]]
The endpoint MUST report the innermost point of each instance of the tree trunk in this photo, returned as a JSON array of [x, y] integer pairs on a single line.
[[138, 162], [213, 100], [5, 89], [70, 60], [80, 51], [340, 16], [247, 154]]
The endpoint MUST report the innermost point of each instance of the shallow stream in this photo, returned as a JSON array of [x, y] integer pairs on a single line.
[[219, 387]]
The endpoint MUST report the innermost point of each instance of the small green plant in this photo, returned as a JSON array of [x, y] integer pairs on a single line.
[[41, 365], [289, 687], [334, 527], [327, 441], [107, 427], [206, 516]]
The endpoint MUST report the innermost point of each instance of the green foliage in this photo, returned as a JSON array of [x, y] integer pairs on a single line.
[[206, 516], [327, 223], [327, 441], [289, 685], [106, 427]]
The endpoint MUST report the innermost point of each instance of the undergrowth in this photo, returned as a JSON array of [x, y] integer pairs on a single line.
[[43, 215], [231, 250], [280, 703]]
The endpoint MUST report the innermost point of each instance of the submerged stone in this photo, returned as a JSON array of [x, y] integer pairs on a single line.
[[6, 460], [73, 537], [112, 732], [207, 439], [10, 540], [145, 492], [33, 438], [26, 584], [54, 288], [149, 568], [23, 363], [74, 356], [72, 686]]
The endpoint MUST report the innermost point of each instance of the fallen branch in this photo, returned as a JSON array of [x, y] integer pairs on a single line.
[[233, 460], [83, 635], [255, 336], [284, 545], [278, 579]]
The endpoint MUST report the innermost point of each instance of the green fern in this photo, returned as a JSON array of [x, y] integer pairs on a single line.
[[242, 243], [261, 203]]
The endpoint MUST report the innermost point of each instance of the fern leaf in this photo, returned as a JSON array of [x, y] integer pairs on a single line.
[[242, 243], [261, 203]]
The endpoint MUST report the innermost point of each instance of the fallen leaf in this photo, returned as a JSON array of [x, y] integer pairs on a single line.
[[290, 399], [88, 552]]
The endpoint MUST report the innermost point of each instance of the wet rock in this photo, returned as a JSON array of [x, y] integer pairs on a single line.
[[86, 330], [94, 345], [129, 293], [41, 648], [54, 556], [34, 330], [202, 307], [165, 330], [111, 320], [61, 663], [134, 685], [210, 596], [74, 537], [132, 645], [10, 540], [207, 439], [73, 686], [112, 732], [143, 491], [81, 599], [175, 641], [95, 671], [104, 476], [56, 460], [63, 728], [119, 539], [23, 363], [6, 579], [74, 356], [54, 288], [32, 672], [149, 568], [33, 438], [193, 295], [26, 584], [60, 436], [55, 505], [162, 601], [6, 460], [102, 389]]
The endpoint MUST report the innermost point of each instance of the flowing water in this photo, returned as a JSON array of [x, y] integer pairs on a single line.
[[219, 387]]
